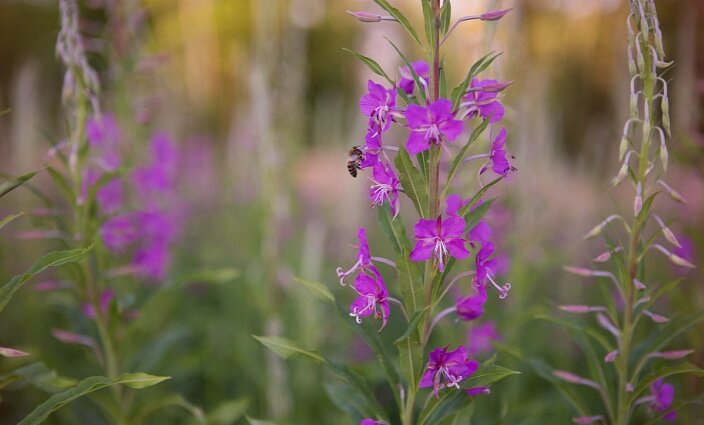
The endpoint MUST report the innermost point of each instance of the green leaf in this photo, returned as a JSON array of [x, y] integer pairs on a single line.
[[371, 337], [259, 421], [13, 183], [400, 18], [39, 376], [371, 63], [228, 412], [414, 74], [474, 216], [478, 66], [487, 375], [9, 218], [316, 288], [546, 372], [60, 181], [647, 205], [170, 400], [213, 276], [412, 181], [445, 17], [449, 403], [53, 259], [478, 196], [667, 333], [410, 281], [359, 385], [87, 386], [428, 21], [412, 325], [460, 156], [394, 229], [348, 400], [285, 348], [682, 368]]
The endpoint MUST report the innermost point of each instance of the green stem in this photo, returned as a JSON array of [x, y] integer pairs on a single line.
[[434, 207]]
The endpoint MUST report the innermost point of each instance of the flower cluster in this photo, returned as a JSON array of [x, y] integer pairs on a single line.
[[151, 227]]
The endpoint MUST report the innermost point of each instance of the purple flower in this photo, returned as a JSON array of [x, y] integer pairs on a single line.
[[481, 99], [662, 396], [378, 105], [448, 368], [407, 83], [373, 298], [152, 260], [364, 261], [429, 125], [106, 298], [438, 239], [472, 307], [158, 177], [486, 268], [104, 137], [370, 421], [475, 391], [454, 204], [480, 233], [385, 186], [499, 162], [110, 196], [480, 337], [119, 232]]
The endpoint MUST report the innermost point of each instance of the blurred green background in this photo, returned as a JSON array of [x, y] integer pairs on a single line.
[[266, 93]]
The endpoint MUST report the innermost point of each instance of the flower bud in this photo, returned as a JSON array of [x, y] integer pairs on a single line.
[[665, 107], [622, 173], [675, 195], [629, 388], [639, 285], [657, 318], [579, 271], [671, 355], [611, 356], [681, 261], [11, 352], [575, 308], [575, 379], [658, 42], [603, 257], [605, 323], [638, 201], [664, 156], [494, 15], [366, 16], [634, 105], [623, 147]]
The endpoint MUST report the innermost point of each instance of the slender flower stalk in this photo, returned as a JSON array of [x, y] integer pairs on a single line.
[[644, 143]]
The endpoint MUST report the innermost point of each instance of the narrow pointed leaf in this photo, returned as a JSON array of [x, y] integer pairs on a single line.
[[420, 88], [394, 229], [412, 181], [87, 386], [400, 18], [13, 183], [285, 348], [316, 288], [9, 218], [410, 282], [478, 130], [53, 259], [372, 64]]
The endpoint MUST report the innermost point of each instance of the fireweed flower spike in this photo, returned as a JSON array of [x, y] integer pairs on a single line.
[[384, 187], [438, 239], [447, 368], [373, 298], [429, 125]]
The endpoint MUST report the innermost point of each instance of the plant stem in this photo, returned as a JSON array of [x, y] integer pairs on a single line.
[[434, 198]]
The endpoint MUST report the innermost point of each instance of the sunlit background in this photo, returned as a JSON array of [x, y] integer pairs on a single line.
[[262, 100]]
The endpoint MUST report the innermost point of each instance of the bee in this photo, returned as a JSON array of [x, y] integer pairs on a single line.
[[354, 160]]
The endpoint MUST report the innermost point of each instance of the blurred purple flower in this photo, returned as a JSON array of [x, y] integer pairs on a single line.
[[475, 391], [378, 104], [152, 260], [439, 239], [662, 396], [157, 178], [480, 233], [119, 232], [687, 251], [448, 368], [373, 298], [479, 338], [484, 266], [482, 99], [385, 186], [104, 137], [407, 83], [111, 196], [106, 298], [429, 125], [454, 204], [499, 163]]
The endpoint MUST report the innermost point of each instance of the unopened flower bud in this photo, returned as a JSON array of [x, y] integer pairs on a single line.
[[623, 147], [629, 388], [639, 285], [671, 355], [579, 271], [665, 107], [575, 308], [575, 379], [664, 156], [658, 42], [638, 201], [11, 352], [681, 261], [622, 173], [603, 257], [634, 105], [494, 15], [657, 318], [675, 195], [366, 16], [611, 356], [669, 234], [605, 323]]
